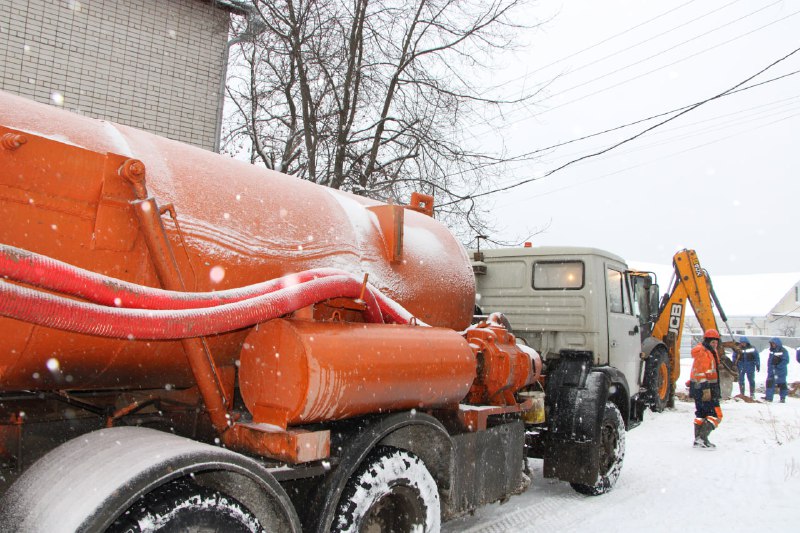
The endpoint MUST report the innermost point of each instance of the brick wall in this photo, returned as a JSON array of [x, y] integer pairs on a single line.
[[151, 64]]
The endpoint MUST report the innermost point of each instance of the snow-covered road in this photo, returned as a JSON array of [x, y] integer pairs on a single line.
[[751, 482]]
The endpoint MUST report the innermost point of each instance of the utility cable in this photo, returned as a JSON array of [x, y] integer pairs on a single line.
[[627, 140], [528, 156], [707, 127], [662, 67], [500, 115], [607, 39], [626, 67], [650, 162]]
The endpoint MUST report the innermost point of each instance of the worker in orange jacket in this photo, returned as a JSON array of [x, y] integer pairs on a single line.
[[704, 388]]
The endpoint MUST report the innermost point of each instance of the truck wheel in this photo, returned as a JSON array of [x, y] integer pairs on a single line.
[[611, 450], [658, 379], [392, 491], [181, 506], [66, 490]]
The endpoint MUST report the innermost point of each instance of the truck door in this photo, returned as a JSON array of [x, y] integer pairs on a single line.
[[624, 342]]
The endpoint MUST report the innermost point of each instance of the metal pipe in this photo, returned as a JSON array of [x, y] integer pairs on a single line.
[[201, 363]]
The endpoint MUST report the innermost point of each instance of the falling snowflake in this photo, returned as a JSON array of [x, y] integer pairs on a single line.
[[217, 274]]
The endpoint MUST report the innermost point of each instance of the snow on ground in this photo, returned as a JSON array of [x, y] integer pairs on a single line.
[[751, 482]]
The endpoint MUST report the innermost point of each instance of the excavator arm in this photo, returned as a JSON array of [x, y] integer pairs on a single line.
[[690, 283]]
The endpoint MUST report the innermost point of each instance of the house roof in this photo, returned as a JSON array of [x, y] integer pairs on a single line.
[[239, 7], [753, 294]]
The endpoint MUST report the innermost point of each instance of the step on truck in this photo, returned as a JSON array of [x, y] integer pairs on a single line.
[[192, 342]]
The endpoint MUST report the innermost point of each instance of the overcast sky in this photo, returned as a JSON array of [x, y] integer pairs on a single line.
[[722, 179]]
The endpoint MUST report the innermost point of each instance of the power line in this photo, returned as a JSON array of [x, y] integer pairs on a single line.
[[627, 140], [626, 67], [529, 156], [628, 80], [667, 156], [595, 45], [711, 128], [526, 156], [498, 116]]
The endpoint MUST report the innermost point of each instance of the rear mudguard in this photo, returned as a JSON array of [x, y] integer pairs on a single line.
[[470, 468], [576, 395]]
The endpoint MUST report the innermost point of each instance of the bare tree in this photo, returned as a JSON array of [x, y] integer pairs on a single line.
[[372, 96]]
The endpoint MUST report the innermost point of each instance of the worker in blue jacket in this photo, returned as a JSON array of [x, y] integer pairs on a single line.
[[748, 363], [777, 369]]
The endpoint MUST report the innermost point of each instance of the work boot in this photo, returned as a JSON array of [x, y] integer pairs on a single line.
[[705, 431], [698, 437]]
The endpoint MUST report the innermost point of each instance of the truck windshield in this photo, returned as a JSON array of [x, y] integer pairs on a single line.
[[558, 275]]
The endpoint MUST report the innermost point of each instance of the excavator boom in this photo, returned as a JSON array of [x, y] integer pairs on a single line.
[[690, 285]]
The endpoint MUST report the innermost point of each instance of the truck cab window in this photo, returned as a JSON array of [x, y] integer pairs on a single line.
[[615, 287], [552, 275]]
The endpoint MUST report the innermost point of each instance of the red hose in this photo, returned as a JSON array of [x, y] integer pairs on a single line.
[[57, 312], [34, 269], [51, 274]]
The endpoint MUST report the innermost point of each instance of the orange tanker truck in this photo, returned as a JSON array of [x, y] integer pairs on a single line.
[[188, 341]]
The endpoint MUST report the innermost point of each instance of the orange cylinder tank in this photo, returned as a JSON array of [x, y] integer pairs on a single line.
[[61, 195], [295, 372]]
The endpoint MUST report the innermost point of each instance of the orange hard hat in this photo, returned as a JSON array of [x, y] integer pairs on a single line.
[[711, 334]]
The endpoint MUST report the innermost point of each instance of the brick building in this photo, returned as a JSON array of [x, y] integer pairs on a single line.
[[157, 65]]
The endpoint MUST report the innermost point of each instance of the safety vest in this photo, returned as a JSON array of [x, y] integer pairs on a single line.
[[749, 354], [704, 368]]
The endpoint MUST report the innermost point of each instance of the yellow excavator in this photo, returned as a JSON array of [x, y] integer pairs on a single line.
[[661, 322]]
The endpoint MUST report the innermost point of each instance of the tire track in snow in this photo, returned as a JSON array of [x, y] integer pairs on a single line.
[[755, 442]]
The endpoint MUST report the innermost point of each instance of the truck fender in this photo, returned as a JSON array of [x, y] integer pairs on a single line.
[[619, 391], [86, 483], [419, 433], [575, 398], [572, 384]]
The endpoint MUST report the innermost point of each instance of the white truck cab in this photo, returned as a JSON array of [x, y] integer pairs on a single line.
[[565, 300]]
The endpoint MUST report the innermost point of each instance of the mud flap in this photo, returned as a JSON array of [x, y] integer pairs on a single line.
[[489, 466], [575, 400]]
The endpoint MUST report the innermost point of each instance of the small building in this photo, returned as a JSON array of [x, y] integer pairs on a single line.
[[158, 65]]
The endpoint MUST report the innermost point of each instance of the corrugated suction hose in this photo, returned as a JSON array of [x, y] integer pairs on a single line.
[[120, 309]]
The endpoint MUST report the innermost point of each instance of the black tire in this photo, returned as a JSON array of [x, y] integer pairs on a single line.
[[391, 492], [659, 382], [182, 506], [611, 449]]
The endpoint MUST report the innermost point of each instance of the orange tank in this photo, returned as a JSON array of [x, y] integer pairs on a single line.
[[61, 195], [297, 372]]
